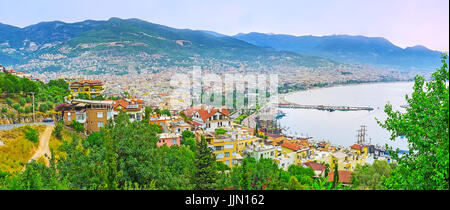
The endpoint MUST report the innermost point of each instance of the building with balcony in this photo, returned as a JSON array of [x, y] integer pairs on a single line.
[[209, 117], [92, 88], [132, 107], [259, 151], [92, 114]]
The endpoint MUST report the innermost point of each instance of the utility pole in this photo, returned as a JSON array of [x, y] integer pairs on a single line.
[[34, 114]]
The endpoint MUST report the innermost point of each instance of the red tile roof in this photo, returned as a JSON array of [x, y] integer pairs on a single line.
[[91, 82], [124, 104], [204, 112], [344, 176], [356, 146], [193, 123], [291, 146], [315, 166]]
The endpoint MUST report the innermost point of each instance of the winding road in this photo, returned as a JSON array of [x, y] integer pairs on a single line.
[[44, 148]]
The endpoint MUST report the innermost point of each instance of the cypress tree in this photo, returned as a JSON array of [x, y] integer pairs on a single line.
[[206, 172], [335, 176]]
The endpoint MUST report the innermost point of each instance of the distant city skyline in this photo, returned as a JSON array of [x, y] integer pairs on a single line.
[[405, 23]]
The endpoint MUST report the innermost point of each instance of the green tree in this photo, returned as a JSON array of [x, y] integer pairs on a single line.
[[9, 101], [205, 174], [425, 124], [245, 176], [77, 127], [22, 101], [190, 142], [43, 107], [335, 176], [31, 134], [371, 176], [187, 134], [148, 113]]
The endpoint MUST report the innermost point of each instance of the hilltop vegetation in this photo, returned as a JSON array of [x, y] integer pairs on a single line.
[[134, 41], [16, 96], [20, 144]]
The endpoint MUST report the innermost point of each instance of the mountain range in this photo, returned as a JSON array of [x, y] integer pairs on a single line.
[[157, 44], [376, 51]]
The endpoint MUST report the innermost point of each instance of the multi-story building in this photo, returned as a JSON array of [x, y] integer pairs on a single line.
[[92, 88], [229, 147], [166, 122], [259, 151], [223, 146], [169, 139], [132, 107], [92, 114], [209, 117]]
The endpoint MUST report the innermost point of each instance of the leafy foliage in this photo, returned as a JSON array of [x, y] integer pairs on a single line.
[[426, 126], [371, 176], [31, 134]]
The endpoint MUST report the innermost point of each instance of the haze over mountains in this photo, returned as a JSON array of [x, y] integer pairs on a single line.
[[349, 49], [138, 41]]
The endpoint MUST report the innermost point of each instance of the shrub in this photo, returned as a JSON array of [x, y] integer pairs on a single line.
[[43, 107], [220, 131], [16, 106], [78, 127], [22, 101], [31, 134], [9, 101]]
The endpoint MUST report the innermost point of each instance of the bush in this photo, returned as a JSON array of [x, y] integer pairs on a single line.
[[43, 107], [78, 127], [16, 106], [31, 134], [22, 101], [4, 109], [57, 131], [220, 131], [9, 101]]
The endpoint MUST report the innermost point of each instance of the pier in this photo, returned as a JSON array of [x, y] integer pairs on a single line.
[[289, 105]]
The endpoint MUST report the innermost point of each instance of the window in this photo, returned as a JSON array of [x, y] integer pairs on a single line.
[[174, 141], [234, 153], [218, 148], [228, 146], [227, 162], [69, 119], [108, 115], [219, 155], [80, 117], [227, 154], [99, 114], [100, 124]]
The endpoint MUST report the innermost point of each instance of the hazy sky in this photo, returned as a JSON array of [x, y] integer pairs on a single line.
[[403, 22]]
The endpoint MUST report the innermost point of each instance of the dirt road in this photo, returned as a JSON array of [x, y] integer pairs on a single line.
[[43, 148]]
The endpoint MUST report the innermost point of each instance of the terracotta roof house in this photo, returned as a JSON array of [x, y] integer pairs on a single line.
[[209, 117], [291, 146], [131, 106], [318, 168], [345, 177], [356, 147]]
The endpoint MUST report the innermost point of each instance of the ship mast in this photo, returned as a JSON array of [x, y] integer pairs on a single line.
[[361, 136]]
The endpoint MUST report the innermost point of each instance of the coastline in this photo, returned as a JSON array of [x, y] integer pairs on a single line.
[[284, 95]]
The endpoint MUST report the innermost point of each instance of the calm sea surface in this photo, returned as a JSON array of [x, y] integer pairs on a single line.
[[340, 127]]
